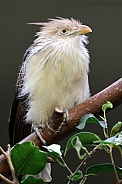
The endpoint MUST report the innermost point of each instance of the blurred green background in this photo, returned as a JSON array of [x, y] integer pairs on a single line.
[[105, 47]]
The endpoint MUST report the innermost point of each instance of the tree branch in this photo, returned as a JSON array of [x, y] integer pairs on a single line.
[[51, 134]]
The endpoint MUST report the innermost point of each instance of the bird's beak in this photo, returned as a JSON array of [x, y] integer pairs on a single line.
[[83, 30]]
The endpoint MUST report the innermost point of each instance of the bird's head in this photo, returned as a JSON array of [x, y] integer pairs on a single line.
[[63, 27]]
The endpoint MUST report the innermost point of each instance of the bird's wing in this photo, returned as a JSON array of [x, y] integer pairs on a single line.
[[18, 128]]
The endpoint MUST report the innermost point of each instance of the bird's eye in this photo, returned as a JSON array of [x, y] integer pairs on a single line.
[[64, 30]]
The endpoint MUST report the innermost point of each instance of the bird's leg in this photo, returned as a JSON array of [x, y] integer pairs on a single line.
[[65, 119], [35, 128]]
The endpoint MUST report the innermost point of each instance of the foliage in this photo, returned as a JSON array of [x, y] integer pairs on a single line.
[[28, 159]]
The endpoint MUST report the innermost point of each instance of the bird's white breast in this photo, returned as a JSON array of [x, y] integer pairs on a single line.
[[56, 75]]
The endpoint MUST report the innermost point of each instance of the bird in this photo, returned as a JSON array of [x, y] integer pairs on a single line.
[[54, 73]]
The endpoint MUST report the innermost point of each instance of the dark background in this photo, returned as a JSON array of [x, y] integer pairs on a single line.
[[105, 47]]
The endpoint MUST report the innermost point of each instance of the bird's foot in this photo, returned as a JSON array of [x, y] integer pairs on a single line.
[[38, 134]]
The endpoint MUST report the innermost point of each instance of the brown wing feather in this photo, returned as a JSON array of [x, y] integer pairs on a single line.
[[18, 129]]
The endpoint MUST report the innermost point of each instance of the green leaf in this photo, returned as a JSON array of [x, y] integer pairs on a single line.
[[106, 106], [116, 128], [54, 148], [32, 180], [76, 176], [100, 168], [88, 118], [118, 139], [28, 159], [113, 142], [54, 151], [86, 138], [77, 145], [110, 141], [54, 155]]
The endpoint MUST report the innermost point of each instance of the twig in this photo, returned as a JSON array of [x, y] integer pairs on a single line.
[[114, 167], [6, 179], [7, 155], [66, 165], [88, 156], [15, 180]]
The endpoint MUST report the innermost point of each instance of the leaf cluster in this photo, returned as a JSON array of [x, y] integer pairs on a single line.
[[28, 160]]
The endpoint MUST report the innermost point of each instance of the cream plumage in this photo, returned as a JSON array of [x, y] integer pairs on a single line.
[[54, 72]]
